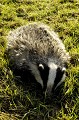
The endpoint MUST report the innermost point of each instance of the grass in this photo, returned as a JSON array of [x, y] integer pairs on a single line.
[[19, 103]]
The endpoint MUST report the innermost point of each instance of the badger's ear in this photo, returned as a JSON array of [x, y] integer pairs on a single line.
[[64, 69], [41, 66]]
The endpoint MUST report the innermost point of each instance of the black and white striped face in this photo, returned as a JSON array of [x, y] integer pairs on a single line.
[[51, 76]]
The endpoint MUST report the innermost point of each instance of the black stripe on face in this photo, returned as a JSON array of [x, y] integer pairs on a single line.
[[59, 75], [44, 73]]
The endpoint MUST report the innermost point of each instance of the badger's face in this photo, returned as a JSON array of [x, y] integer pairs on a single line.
[[49, 76]]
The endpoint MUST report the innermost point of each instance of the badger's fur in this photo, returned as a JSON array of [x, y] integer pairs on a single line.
[[37, 48]]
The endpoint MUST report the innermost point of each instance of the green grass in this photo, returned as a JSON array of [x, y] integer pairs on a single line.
[[17, 103]]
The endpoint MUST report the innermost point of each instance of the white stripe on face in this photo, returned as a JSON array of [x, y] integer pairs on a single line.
[[52, 76], [36, 73]]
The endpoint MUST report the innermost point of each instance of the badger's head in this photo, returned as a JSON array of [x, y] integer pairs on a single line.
[[50, 76]]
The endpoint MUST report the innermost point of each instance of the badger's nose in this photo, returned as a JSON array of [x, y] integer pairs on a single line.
[[48, 92]]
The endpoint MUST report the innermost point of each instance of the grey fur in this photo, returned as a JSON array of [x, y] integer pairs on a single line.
[[35, 43]]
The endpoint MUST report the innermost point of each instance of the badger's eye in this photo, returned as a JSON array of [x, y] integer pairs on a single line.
[[44, 73], [66, 73], [59, 74]]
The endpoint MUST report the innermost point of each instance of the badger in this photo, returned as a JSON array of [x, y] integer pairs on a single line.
[[36, 47]]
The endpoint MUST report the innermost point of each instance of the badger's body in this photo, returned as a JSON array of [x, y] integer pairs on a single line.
[[39, 49]]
